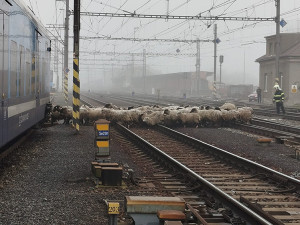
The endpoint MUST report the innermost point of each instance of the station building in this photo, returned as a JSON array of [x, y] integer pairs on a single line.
[[289, 68]]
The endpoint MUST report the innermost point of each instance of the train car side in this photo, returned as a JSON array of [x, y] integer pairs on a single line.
[[25, 70]]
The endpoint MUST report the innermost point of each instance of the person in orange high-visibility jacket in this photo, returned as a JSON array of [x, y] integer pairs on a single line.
[[278, 99]]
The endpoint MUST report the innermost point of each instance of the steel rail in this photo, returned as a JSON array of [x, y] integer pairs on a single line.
[[234, 205], [237, 159], [279, 126]]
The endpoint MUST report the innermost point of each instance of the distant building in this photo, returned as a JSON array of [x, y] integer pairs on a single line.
[[289, 68], [175, 84]]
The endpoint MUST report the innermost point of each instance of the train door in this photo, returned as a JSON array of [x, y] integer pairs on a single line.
[[4, 7], [1, 76], [37, 68]]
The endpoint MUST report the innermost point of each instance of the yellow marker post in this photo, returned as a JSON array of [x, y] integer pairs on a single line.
[[113, 208], [113, 212], [102, 134]]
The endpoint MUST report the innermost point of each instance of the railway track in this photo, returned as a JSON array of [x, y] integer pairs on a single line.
[[267, 193], [271, 112], [231, 179], [281, 132]]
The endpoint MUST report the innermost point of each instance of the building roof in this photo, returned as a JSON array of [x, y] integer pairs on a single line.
[[294, 51]]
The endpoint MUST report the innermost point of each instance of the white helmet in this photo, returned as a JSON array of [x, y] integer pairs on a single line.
[[276, 86]]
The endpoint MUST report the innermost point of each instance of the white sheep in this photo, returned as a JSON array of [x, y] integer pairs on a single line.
[[152, 115], [245, 114], [153, 118], [228, 106], [191, 119]]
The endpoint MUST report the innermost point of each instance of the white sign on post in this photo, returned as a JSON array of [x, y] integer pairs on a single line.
[[294, 88]]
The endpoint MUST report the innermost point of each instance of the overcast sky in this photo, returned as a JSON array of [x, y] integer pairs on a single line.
[[241, 42]]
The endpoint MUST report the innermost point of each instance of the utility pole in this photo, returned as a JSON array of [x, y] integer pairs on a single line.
[[144, 69], [244, 77], [215, 61], [76, 81], [132, 72], [277, 20], [66, 54], [198, 67], [62, 71], [215, 52], [56, 65], [168, 8], [221, 60]]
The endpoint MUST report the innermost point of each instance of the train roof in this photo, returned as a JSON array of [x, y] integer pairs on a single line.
[[27, 11]]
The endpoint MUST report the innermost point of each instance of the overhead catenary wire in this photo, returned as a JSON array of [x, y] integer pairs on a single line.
[[214, 6], [182, 30]]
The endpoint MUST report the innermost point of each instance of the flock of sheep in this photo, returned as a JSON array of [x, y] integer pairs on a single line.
[[152, 115]]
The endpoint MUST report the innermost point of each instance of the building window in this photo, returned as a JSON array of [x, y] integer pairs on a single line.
[[266, 82], [270, 48]]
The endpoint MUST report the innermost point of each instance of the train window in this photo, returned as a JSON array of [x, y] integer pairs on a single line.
[[21, 71], [37, 61], [28, 70], [13, 68]]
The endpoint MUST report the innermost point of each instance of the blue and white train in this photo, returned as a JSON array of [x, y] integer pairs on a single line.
[[24, 70]]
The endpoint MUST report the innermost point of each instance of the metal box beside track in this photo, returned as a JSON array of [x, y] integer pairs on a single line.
[[111, 176], [143, 209]]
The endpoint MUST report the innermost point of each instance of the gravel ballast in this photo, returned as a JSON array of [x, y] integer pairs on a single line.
[[48, 180], [275, 156]]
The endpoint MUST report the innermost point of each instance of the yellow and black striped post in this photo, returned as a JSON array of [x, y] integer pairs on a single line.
[[66, 88], [215, 90], [76, 81], [76, 94], [66, 54]]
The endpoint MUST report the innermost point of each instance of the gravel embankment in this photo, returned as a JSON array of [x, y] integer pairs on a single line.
[[49, 181]]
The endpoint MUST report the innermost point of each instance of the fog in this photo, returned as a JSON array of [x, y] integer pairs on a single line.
[[241, 42]]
